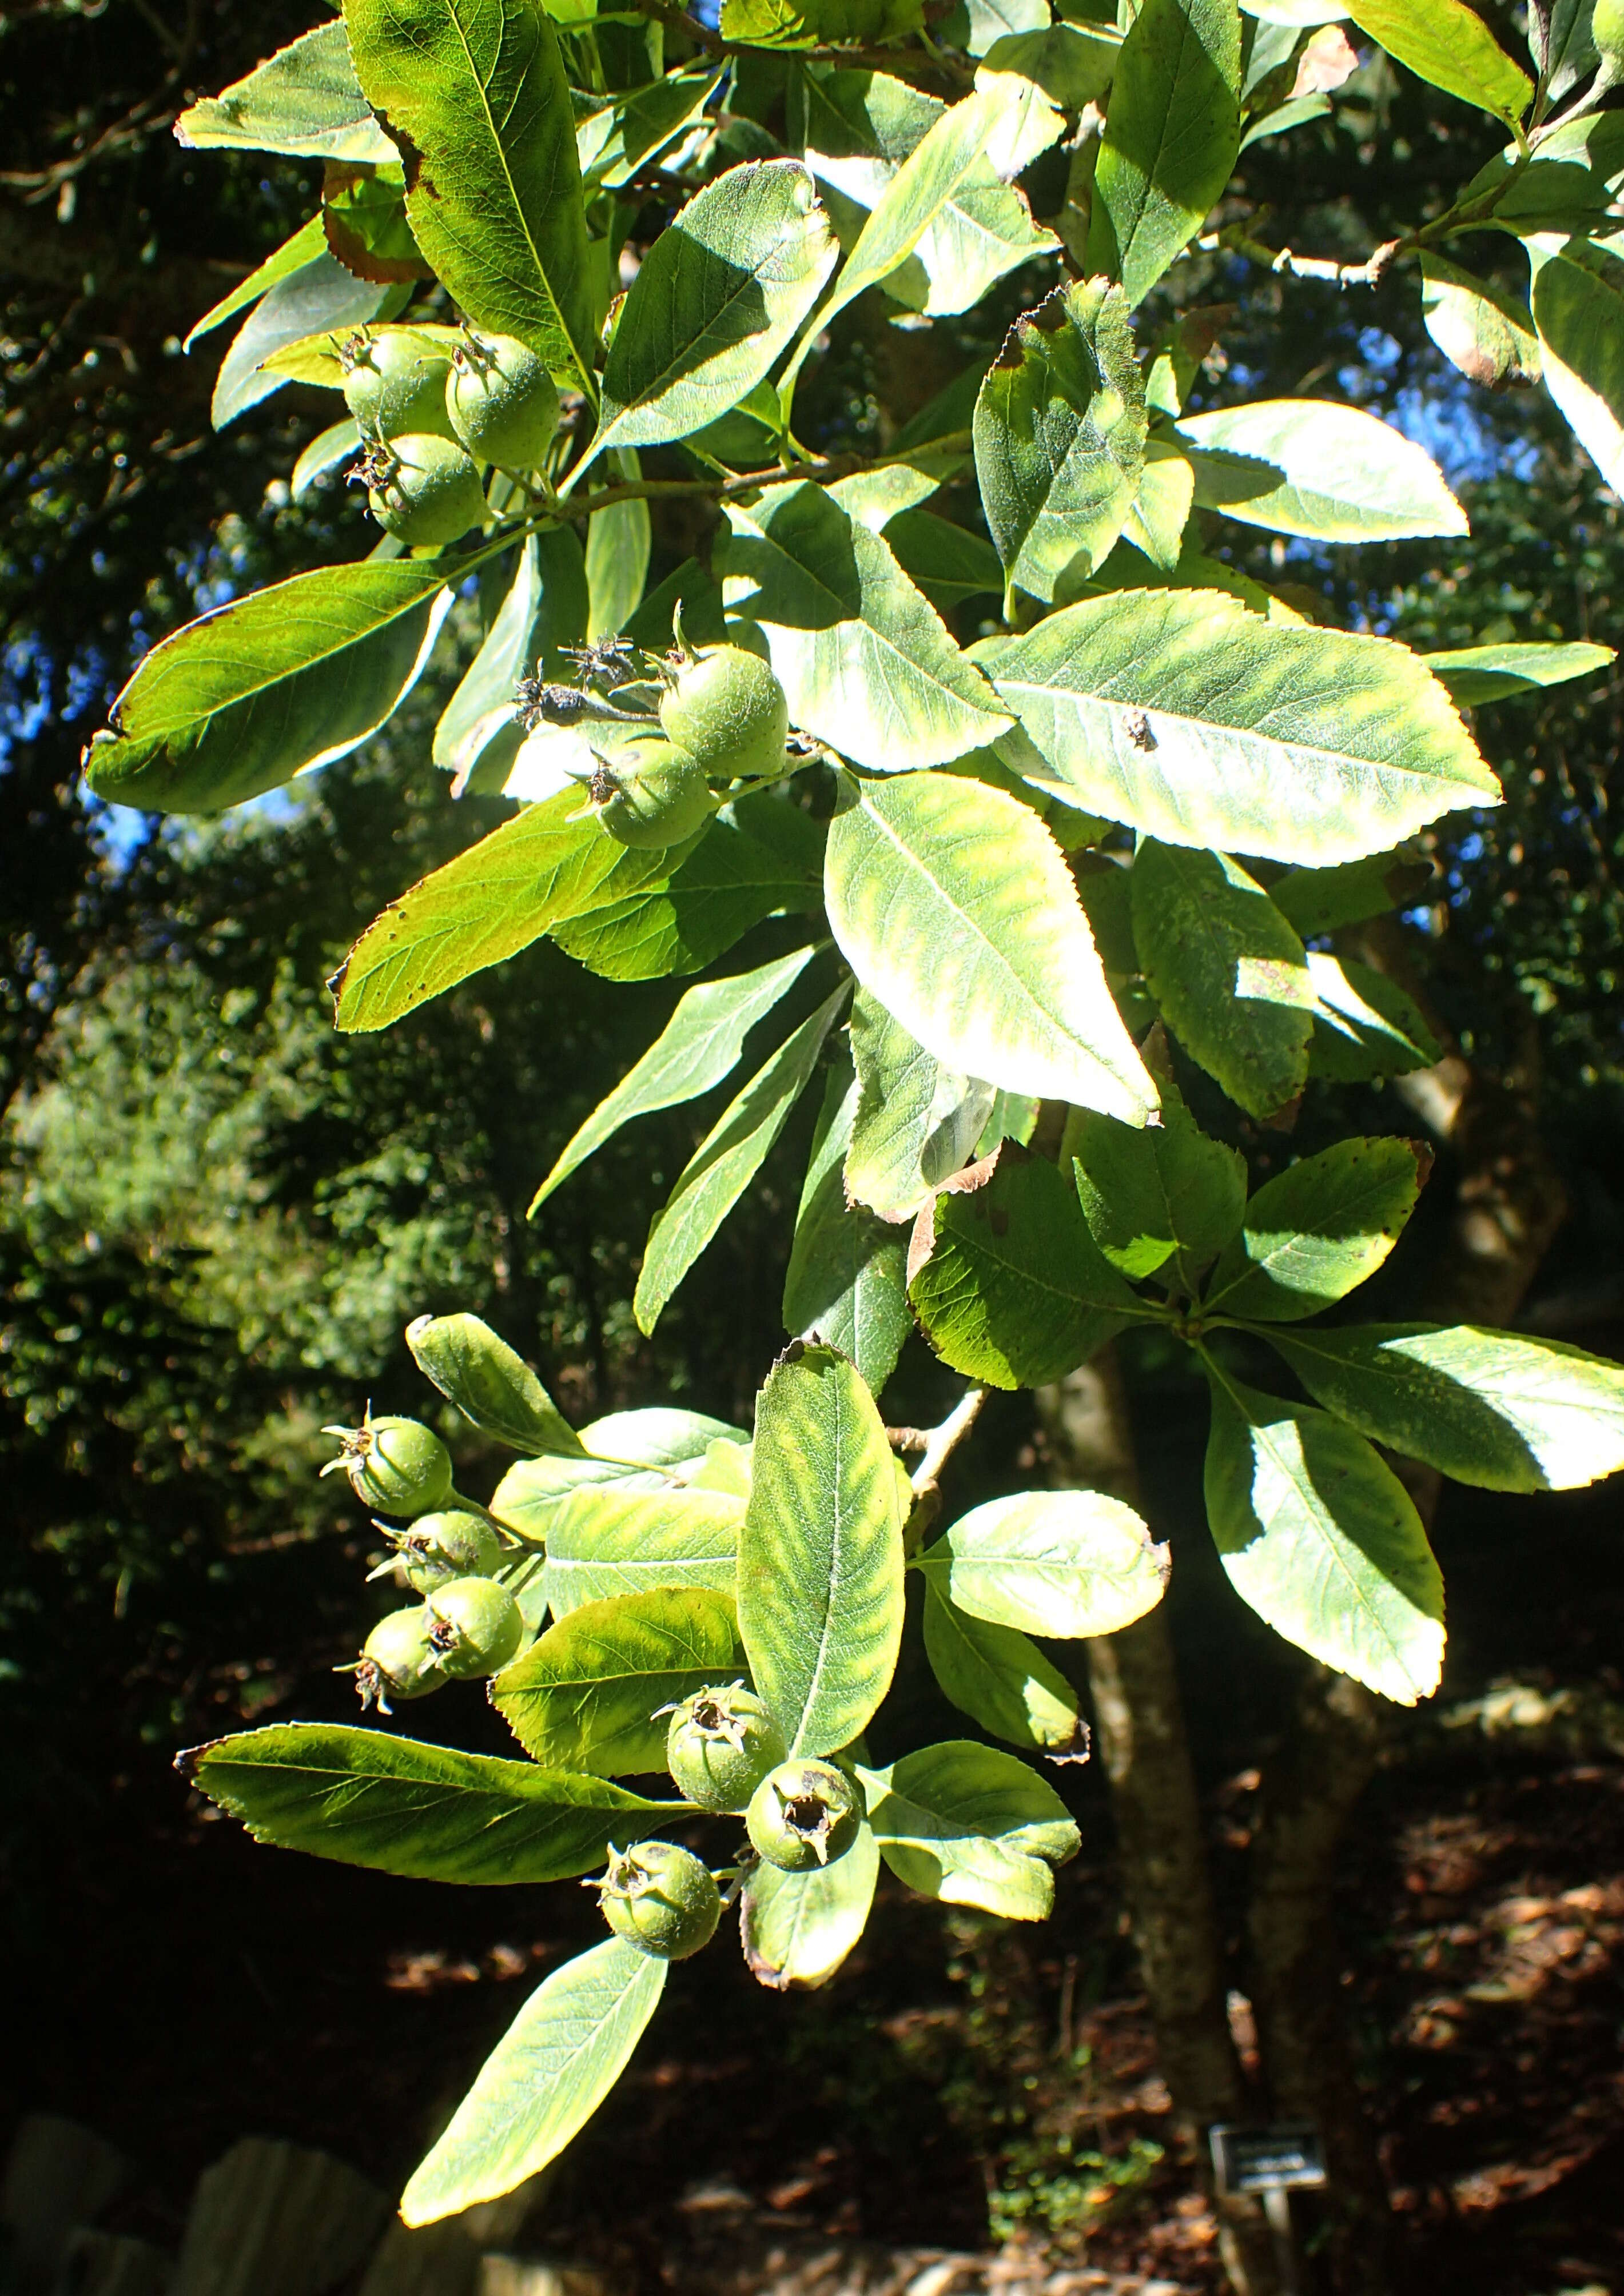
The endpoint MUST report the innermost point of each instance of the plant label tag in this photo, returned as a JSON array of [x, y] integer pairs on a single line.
[[1270, 2160]]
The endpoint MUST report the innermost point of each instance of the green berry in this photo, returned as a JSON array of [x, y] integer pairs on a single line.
[[804, 1815], [455, 1545], [392, 384], [653, 796], [720, 1745], [661, 1898], [501, 402], [1607, 29], [727, 710], [474, 1626], [398, 1660], [425, 490], [399, 1466]]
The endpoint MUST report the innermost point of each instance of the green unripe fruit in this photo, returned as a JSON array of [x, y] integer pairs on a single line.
[[727, 710], [720, 1745], [456, 1545], [654, 796], [392, 384], [399, 1466], [427, 492], [474, 1627], [661, 1898], [501, 402], [804, 1815], [398, 1661], [1607, 29]]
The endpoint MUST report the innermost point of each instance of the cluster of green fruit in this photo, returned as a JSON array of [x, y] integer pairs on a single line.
[[467, 1625], [723, 723], [432, 409], [726, 1754]]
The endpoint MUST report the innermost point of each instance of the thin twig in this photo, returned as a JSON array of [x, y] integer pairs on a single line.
[[945, 1440], [820, 470]]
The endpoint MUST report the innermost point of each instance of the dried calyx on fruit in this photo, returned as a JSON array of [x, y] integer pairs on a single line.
[[720, 1745], [661, 1898], [475, 1627], [804, 1814], [502, 401], [397, 1661], [454, 1543], [726, 710], [399, 1466], [394, 382], [652, 795], [423, 489]]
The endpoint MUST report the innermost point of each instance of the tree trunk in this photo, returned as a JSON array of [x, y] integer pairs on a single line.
[[1508, 1206], [1143, 1745]]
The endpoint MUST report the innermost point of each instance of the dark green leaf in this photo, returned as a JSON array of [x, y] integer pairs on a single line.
[[1473, 674], [1494, 1408], [1015, 1290], [1000, 1678], [847, 1282], [1149, 1195], [304, 101], [491, 1385], [1172, 132], [972, 1826], [1365, 1025], [429, 1812], [306, 243], [321, 297], [1319, 1229]]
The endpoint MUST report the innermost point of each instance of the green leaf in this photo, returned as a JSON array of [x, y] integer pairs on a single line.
[[1473, 674], [635, 127], [1295, 743], [1314, 901], [865, 661], [1172, 132], [546, 607], [306, 243], [427, 1812], [799, 23], [979, 124], [1480, 328], [719, 294], [759, 856], [1308, 466], [491, 1385], [1071, 63], [326, 452], [725, 1161], [619, 540], [1000, 1678], [490, 902], [1063, 1563], [1365, 1025], [1160, 510], [1449, 45], [820, 1555], [699, 1046], [917, 1123], [1060, 431], [284, 679], [1164, 1191], [628, 1449], [1319, 1229], [320, 297], [605, 1539], [954, 907], [972, 1826], [588, 1695], [1560, 40], [1321, 1540], [1231, 977], [947, 563], [847, 1281], [546, 2077], [474, 93], [1579, 310], [797, 1929], [1015, 1290], [304, 101], [1493, 1408]]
